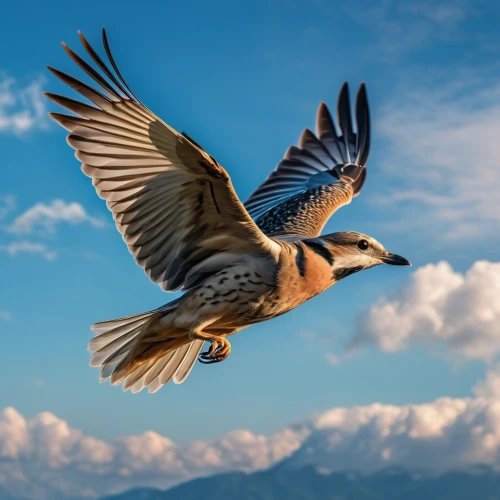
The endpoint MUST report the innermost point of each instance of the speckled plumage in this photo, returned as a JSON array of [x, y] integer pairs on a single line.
[[293, 216], [174, 204]]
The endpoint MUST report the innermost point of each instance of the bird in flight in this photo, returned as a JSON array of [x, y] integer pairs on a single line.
[[174, 204]]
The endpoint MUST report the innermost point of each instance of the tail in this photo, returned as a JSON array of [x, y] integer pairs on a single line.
[[122, 355]]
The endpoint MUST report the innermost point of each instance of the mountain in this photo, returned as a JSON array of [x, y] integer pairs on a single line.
[[280, 483]]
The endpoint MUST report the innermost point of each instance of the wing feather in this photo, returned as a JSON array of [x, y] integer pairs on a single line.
[[316, 178], [172, 202]]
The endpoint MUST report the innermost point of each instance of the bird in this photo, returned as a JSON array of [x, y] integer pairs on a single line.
[[237, 264]]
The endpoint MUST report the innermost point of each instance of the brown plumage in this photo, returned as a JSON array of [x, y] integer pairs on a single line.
[[238, 264]]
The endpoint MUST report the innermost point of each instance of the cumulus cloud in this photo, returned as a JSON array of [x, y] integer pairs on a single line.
[[47, 216], [441, 156], [43, 457], [490, 386], [446, 434], [438, 305], [22, 108], [17, 247]]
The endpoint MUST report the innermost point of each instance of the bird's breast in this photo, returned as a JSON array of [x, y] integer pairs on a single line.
[[302, 275]]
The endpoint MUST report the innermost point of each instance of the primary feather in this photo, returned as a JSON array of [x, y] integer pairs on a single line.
[[319, 176], [172, 202]]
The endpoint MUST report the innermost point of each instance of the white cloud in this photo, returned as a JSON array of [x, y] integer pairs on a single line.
[[22, 108], [404, 26], [5, 315], [439, 306], [7, 204], [442, 156], [17, 247], [490, 386], [434, 437], [43, 457], [47, 216], [332, 359]]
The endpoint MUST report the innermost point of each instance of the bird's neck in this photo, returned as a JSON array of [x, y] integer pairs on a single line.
[[305, 270]]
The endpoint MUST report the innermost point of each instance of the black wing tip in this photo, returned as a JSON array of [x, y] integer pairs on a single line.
[[343, 98], [344, 91], [105, 42], [363, 126], [362, 107], [362, 94]]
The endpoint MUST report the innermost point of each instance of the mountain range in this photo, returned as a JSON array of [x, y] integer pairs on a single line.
[[307, 483], [282, 483]]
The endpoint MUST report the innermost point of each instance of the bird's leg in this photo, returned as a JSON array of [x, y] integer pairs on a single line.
[[219, 349]]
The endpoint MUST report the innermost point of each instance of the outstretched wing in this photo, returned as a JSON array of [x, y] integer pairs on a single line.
[[172, 202], [315, 179]]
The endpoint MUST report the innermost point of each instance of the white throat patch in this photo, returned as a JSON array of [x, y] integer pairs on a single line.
[[349, 261]]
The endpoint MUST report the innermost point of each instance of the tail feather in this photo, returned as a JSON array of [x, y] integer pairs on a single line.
[[138, 375], [141, 352], [173, 365], [108, 336], [108, 369], [176, 360], [119, 350], [157, 368], [105, 326], [116, 346], [188, 362], [157, 374]]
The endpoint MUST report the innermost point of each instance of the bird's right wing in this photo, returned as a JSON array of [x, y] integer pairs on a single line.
[[319, 176], [172, 202]]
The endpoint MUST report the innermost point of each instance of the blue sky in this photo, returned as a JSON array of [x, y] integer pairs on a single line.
[[243, 81]]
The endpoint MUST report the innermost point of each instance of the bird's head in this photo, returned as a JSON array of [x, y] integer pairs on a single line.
[[353, 252]]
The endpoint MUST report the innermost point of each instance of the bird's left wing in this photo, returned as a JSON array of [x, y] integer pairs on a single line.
[[172, 202], [315, 179]]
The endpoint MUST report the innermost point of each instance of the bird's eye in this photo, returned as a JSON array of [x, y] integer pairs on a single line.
[[363, 245]]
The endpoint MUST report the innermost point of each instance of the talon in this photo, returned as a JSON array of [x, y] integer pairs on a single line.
[[213, 347], [218, 352], [210, 361]]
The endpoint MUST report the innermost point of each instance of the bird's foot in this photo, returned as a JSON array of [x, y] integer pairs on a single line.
[[219, 351]]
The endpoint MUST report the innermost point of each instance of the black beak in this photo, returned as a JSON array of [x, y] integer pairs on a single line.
[[395, 260]]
